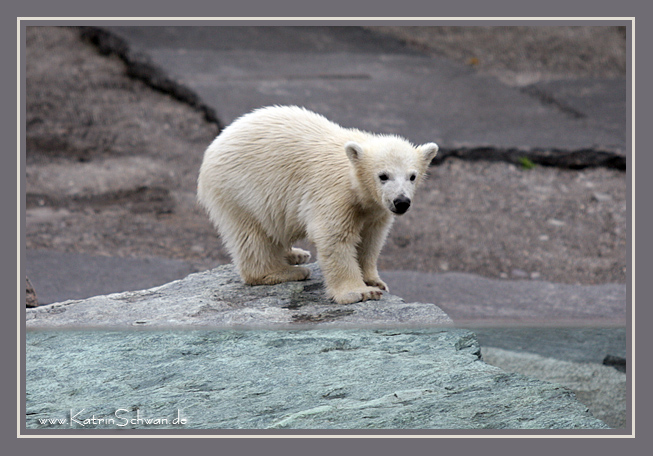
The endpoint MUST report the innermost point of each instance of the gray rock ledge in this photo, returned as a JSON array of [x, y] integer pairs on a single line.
[[218, 299], [369, 365]]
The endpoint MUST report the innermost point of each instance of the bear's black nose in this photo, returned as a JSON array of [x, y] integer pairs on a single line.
[[401, 205]]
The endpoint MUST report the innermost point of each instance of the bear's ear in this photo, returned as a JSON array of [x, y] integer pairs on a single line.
[[429, 150], [354, 151]]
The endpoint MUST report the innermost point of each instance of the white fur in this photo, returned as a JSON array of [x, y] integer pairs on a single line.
[[280, 174]]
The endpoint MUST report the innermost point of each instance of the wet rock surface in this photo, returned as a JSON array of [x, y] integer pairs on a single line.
[[402, 366], [313, 379]]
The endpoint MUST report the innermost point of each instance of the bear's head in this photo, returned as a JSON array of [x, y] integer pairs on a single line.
[[389, 168]]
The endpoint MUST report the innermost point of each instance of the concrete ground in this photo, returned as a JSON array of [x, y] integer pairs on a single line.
[[111, 167]]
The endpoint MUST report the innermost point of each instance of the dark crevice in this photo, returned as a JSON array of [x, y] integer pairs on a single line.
[[141, 68], [566, 159]]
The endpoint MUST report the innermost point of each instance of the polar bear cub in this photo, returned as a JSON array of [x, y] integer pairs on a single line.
[[283, 173]]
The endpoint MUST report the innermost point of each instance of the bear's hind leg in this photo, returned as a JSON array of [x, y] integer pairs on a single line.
[[258, 259], [264, 263], [298, 256]]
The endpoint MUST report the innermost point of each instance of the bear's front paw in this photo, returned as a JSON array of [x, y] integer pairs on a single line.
[[357, 295], [378, 283]]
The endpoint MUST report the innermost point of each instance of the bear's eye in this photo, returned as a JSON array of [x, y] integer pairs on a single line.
[[383, 177], [412, 177]]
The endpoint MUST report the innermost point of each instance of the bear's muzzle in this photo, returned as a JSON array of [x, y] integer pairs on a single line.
[[400, 205]]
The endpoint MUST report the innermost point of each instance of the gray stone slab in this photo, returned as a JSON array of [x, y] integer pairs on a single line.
[[316, 379], [219, 299], [366, 83]]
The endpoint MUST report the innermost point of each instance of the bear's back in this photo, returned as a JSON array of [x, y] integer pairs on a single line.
[[282, 145], [296, 128], [275, 162]]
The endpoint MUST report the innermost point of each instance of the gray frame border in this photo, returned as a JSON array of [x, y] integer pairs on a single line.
[[630, 174]]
